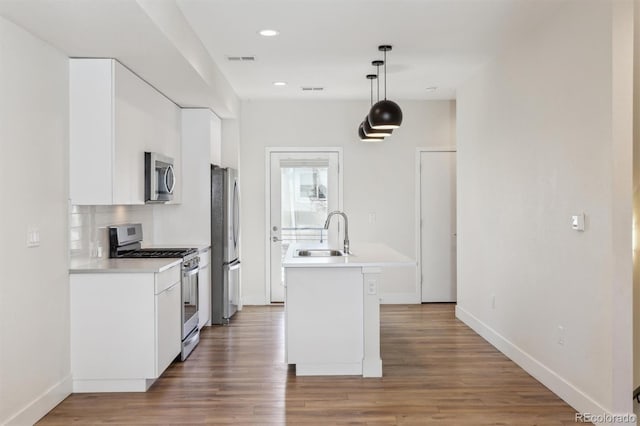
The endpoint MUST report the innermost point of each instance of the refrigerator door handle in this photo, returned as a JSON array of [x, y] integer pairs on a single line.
[[235, 214], [233, 266]]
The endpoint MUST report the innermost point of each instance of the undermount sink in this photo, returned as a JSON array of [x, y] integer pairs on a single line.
[[319, 253]]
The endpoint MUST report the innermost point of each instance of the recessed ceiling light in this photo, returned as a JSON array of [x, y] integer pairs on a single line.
[[431, 89], [268, 33], [279, 83]]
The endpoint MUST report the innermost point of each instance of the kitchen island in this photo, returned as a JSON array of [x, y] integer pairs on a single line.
[[332, 308]]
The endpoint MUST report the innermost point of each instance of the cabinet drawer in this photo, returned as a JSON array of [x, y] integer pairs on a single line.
[[166, 279]]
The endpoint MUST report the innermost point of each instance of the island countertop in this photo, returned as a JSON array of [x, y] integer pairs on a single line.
[[363, 255]]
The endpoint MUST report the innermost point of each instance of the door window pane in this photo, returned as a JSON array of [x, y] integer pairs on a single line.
[[304, 204]]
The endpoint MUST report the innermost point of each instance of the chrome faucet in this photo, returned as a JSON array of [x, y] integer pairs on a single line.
[[346, 228]]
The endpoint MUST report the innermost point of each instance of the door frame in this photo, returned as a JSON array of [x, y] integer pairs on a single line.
[[418, 209], [267, 199]]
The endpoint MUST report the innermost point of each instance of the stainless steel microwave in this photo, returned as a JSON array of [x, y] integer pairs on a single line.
[[159, 178]]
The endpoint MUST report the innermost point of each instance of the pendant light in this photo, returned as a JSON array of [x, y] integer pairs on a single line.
[[385, 114], [364, 137], [368, 130]]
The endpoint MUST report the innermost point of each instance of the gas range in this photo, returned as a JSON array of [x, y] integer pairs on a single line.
[[146, 253], [125, 241]]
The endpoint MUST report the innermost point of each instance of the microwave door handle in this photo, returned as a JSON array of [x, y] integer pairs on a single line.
[[166, 179]]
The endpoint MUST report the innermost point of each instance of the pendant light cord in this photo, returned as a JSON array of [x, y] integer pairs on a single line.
[[371, 91], [378, 82], [385, 75]]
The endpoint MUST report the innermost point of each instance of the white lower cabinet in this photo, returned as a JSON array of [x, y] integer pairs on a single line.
[[125, 329], [168, 327], [324, 320], [204, 291]]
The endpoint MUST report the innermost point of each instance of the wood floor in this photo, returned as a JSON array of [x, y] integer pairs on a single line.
[[436, 372]]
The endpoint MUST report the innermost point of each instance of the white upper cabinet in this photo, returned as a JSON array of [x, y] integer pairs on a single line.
[[114, 118]]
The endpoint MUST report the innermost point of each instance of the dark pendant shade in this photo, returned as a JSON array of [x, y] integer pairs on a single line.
[[375, 133], [385, 114], [365, 138]]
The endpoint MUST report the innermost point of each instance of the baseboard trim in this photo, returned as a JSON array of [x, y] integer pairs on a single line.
[[40, 406], [253, 301], [399, 298], [573, 396]]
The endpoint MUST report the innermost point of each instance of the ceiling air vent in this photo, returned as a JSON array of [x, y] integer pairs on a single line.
[[241, 58], [312, 89]]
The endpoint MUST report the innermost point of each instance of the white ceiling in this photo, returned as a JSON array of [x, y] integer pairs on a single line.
[[327, 43], [331, 43]]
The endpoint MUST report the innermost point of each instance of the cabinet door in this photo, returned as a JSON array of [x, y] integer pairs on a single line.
[[204, 294], [168, 327], [112, 326], [133, 119], [324, 315], [91, 131]]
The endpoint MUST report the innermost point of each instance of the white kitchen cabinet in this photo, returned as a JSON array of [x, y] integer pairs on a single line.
[[125, 329], [114, 118], [324, 320], [204, 290], [168, 326]]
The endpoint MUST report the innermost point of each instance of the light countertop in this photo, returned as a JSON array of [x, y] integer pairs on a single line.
[[106, 265], [363, 255]]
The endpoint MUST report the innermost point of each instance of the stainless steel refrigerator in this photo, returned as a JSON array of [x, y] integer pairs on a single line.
[[225, 231]]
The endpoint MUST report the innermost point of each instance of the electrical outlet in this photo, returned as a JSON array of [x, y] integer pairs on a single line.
[[561, 335], [372, 287]]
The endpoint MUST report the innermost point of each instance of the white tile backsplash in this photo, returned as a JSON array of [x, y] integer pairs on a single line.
[[88, 236]]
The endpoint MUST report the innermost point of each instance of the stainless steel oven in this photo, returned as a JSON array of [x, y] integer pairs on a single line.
[[190, 305]]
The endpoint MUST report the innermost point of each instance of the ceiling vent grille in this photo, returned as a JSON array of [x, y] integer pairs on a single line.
[[241, 58], [312, 89]]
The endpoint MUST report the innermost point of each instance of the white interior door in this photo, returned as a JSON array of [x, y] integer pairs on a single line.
[[303, 190], [438, 225]]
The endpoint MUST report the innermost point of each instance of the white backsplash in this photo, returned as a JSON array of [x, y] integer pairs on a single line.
[[88, 236]]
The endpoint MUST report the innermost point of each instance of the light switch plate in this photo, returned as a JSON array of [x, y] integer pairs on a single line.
[[33, 236], [577, 222]]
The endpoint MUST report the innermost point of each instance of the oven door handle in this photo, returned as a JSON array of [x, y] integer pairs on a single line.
[[190, 272]]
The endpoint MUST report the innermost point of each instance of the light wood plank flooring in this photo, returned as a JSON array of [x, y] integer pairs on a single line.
[[436, 372]]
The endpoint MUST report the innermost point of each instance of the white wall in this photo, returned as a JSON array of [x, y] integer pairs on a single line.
[[537, 144], [229, 156], [636, 202], [88, 234], [34, 293], [378, 178]]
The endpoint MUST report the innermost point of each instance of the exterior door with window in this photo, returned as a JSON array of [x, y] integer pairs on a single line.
[[304, 189]]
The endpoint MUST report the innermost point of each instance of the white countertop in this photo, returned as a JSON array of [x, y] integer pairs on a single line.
[[106, 265], [363, 254]]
